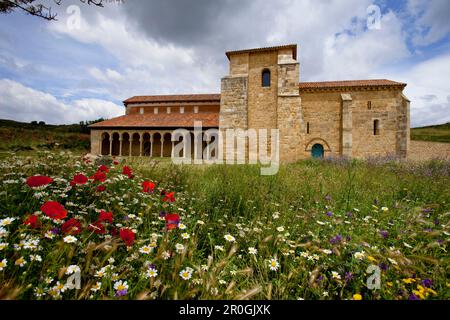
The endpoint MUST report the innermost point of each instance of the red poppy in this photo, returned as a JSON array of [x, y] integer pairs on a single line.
[[71, 226], [148, 187], [97, 227], [79, 179], [127, 236], [115, 162], [169, 197], [54, 210], [33, 221], [103, 168], [37, 181], [126, 170], [101, 188], [105, 216], [99, 176], [114, 231], [172, 221]]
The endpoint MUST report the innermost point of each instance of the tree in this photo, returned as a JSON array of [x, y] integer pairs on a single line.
[[36, 8]]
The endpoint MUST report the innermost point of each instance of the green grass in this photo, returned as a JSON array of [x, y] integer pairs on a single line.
[[22, 137], [437, 133], [395, 215]]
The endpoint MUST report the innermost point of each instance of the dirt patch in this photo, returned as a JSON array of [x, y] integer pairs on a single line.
[[424, 150]]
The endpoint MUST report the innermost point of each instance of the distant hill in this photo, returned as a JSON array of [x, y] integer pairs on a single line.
[[23, 136], [436, 133]]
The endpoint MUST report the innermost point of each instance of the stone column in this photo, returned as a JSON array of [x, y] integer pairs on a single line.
[[131, 144], [162, 146], [120, 145], [403, 127], [151, 145], [110, 144], [347, 125], [195, 146], [173, 147], [141, 144]]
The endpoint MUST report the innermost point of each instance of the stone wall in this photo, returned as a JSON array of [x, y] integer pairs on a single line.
[[96, 141], [262, 101], [289, 112], [344, 121], [323, 113]]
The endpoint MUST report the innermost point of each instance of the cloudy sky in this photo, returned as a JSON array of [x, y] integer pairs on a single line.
[[74, 69]]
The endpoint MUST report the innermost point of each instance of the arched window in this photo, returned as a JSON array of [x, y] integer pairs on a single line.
[[266, 78], [376, 127]]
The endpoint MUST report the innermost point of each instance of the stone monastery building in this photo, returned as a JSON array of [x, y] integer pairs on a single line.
[[359, 118]]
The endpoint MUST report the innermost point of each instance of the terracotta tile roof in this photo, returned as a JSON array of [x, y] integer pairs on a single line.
[[174, 98], [349, 83], [174, 120], [287, 46]]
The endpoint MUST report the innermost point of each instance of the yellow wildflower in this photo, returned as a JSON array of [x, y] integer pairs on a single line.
[[409, 280], [357, 296]]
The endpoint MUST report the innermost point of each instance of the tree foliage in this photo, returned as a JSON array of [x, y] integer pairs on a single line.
[[37, 7]]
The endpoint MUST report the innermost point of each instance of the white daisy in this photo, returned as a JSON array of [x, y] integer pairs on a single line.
[[229, 238], [6, 221], [166, 255], [20, 262], [73, 269], [359, 255], [186, 274], [185, 235], [120, 285], [252, 250], [273, 264], [96, 287], [145, 250], [70, 239], [152, 273], [35, 257], [3, 232], [179, 247], [3, 264], [335, 275]]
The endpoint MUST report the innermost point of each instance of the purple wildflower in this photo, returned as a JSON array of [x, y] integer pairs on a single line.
[[336, 239], [121, 293], [383, 266], [55, 230], [436, 222], [413, 297], [329, 213], [427, 283], [384, 234], [162, 214], [328, 197], [348, 277]]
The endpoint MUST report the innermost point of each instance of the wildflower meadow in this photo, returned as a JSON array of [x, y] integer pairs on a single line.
[[78, 228]]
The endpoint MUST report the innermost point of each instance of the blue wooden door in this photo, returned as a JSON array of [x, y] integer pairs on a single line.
[[317, 151]]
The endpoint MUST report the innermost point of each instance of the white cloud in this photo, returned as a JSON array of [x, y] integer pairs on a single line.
[[360, 53], [146, 66], [26, 104], [428, 89], [431, 20]]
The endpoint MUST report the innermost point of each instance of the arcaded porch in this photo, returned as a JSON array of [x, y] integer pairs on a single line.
[[148, 143]]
